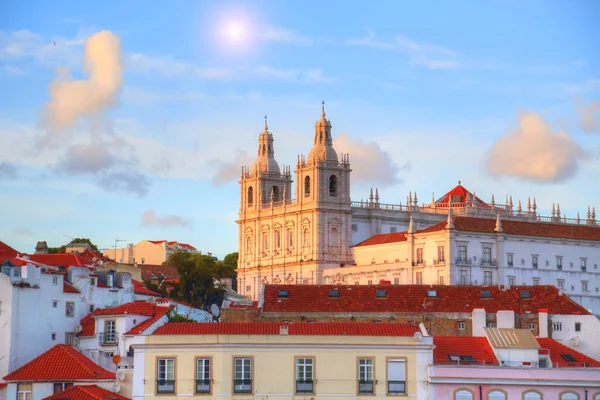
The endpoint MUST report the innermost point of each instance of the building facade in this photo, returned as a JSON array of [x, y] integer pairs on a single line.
[[154, 252]]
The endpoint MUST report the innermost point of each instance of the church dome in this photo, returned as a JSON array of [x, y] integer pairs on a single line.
[[266, 164], [322, 149], [322, 152]]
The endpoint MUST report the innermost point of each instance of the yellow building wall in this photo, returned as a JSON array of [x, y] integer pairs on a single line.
[[153, 254], [335, 363]]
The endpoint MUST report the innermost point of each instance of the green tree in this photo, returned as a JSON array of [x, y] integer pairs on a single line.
[[230, 261], [62, 248]]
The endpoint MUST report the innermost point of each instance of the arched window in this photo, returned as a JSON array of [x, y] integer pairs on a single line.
[[250, 196], [307, 186], [569, 396], [463, 394], [497, 394], [275, 193], [333, 185], [532, 395], [597, 396]]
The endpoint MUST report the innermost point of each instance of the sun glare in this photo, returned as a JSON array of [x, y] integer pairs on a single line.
[[235, 31]]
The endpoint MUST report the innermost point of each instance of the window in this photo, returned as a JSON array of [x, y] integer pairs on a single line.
[[460, 325], [568, 357], [511, 281], [248, 288], [59, 386], [69, 336], [24, 391], [464, 277], [53, 336], [242, 380], [441, 279], [560, 283], [396, 281], [202, 375], [307, 186], [334, 293], [584, 264], [419, 278], [277, 239], [275, 193], [462, 253], [486, 258], [250, 196], [290, 237], [584, 286], [486, 293], [491, 324], [333, 185], [524, 294], [365, 375], [419, 256], [532, 395], [463, 394], [70, 309], [396, 376], [487, 277], [496, 395], [55, 280], [534, 261], [559, 263], [110, 335], [510, 260], [557, 326], [393, 229], [304, 375], [54, 303], [165, 382], [577, 326], [536, 281], [440, 254], [569, 396], [432, 293], [381, 293], [354, 227], [265, 241], [92, 281], [283, 294]]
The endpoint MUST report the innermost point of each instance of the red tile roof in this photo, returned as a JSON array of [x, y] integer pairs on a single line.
[[272, 328], [88, 325], [7, 252], [3, 385], [158, 271], [140, 328], [86, 392], [68, 288], [556, 349], [477, 347], [61, 363], [138, 307], [140, 288], [396, 237], [414, 298], [60, 259], [458, 190]]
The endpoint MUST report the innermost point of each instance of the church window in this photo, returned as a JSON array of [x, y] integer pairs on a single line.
[[277, 239], [250, 196], [307, 186], [265, 237], [290, 237], [333, 185], [305, 237], [275, 193]]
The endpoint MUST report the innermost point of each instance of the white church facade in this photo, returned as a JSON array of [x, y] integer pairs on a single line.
[[320, 236]]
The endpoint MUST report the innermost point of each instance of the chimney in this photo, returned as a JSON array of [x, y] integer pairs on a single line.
[[543, 323], [478, 321], [505, 319], [283, 329]]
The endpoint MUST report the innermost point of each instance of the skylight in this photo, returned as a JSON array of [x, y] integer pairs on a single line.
[[467, 358], [525, 294], [334, 293], [432, 293], [454, 357], [486, 293], [568, 357], [381, 293], [283, 294]]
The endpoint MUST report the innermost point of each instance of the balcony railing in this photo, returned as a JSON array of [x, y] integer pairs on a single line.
[[396, 387], [583, 268], [535, 265], [439, 261], [559, 267], [464, 261], [242, 385], [511, 364], [510, 263], [417, 263], [490, 262], [202, 385], [108, 338], [365, 386], [165, 386], [304, 386]]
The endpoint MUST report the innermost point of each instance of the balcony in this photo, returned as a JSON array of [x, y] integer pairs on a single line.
[[510, 263], [108, 338], [165, 386], [418, 263], [583, 268], [396, 387], [304, 386], [202, 385], [242, 385], [535, 265], [559, 267], [464, 261], [365, 387], [490, 262], [439, 261]]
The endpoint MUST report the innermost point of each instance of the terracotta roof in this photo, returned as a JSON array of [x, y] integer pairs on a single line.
[[7, 252], [273, 328], [138, 307], [415, 298], [3, 385], [60, 259], [396, 237], [88, 325], [61, 363], [158, 271], [157, 241], [474, 346], [140, 288], [86, 392], [458, 190], [68, 288], [140, 328], [556, 350]]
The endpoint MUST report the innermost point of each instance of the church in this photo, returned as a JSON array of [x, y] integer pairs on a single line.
[[316, 234]]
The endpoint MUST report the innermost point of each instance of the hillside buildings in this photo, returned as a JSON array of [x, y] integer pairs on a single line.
[[154, 252], [318, 235]]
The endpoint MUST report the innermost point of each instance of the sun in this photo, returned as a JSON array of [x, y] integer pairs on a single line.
[[235, 31]]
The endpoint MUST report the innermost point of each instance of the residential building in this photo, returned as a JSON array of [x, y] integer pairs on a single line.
[[148, 252], [305, 237], [510, 364], [278, 361], [444, 310], [54, 371]]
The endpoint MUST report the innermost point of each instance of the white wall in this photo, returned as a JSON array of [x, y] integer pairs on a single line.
[[586, 341]]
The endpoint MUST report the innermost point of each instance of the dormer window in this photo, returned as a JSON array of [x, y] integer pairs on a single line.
[[334, 293]]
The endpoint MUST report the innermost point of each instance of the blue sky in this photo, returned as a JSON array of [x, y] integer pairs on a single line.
[[502, 95]]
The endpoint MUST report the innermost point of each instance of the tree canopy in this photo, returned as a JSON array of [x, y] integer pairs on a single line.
[[62, 248]]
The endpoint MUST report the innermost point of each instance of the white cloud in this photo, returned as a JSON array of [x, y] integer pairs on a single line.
[[533, 152], [369, 162], [150, 218], [281, 35], [588, 117], [7, 170], [228, 171], [163, 65], [10, 70]]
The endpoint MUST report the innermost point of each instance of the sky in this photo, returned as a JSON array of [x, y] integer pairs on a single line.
[[132, 120]]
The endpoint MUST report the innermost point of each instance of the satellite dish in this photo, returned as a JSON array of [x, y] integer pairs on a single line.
[[120, 376], [418, 336], [214, 310], [116, 387]]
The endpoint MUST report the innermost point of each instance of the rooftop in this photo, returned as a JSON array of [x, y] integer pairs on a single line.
[[61, 363], [556, 351], [159, 272], [140, 288], [86, 392], [7, 252], [463, 350], [273, 328], [415, 298]]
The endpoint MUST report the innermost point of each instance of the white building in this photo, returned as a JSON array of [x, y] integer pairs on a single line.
[[41, 306], [153, 252], [307, 239]]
